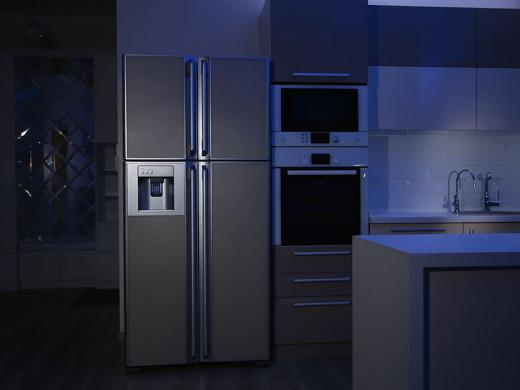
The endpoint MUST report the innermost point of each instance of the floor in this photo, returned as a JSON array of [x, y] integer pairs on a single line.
[[68, 339]]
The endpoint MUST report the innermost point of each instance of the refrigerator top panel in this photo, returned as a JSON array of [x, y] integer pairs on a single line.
[[158, 97], [233, 109], [155, 189]]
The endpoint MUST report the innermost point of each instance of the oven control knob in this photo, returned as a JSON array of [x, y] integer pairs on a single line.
[[282, 139], [335, 140], [356, 140]]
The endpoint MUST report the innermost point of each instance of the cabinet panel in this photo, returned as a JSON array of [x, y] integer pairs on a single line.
[[329, 38], [501, 227], [416, 228], [313, 320], [422, 98], [422, 36], [498, 37], [498, 94]]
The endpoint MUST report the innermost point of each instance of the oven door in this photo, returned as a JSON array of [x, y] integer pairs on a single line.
[[319, 206], [312, 108]]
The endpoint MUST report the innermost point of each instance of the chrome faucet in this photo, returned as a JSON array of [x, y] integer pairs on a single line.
[[456, 201], [487, 202]]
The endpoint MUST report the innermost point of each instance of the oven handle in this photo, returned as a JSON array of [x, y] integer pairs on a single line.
[[348, 172]]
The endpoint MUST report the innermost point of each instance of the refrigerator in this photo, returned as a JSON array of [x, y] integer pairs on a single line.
[[197, 209]]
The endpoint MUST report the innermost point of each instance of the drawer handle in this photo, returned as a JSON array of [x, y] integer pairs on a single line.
[[319, 74], [330, 253], [322, 280], [417, 230], [321, 304]]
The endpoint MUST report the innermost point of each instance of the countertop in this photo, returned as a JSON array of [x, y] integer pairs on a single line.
[[403, 216], [450, 243]]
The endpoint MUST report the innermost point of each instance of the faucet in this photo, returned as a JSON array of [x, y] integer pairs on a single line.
[[487, 202], [456, 201]]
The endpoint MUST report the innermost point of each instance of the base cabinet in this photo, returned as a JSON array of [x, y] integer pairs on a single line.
[[313, 300]]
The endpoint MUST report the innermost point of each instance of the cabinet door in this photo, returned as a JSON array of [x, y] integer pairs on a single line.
[[239, 319], [498, 94], [416, 228], [422, 98], [238, 109], [155, 107], [329, 38], [497, 227]]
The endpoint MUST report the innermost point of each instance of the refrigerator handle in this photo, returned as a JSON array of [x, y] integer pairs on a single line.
[[206, 259], [205, 113], [193, 107], [193, 259]]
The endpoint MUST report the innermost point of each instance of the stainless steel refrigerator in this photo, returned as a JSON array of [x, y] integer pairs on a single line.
[[197, 207]]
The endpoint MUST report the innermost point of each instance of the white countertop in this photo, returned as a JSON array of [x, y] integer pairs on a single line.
[[450, 243], [404, 216]]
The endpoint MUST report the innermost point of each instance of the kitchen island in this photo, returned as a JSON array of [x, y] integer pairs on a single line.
[[436, 312]]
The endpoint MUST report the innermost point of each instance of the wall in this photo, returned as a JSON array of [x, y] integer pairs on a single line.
[[51, 267]]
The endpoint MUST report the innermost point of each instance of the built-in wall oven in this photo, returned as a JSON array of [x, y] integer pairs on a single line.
[[319, 196], [326, 115]]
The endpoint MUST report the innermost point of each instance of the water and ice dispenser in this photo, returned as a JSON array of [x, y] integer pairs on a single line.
[[155, 188]]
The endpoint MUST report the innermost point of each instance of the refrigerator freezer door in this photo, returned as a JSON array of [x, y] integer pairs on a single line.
[[238, 262], [156, 291], [157, 107], [234, 109]]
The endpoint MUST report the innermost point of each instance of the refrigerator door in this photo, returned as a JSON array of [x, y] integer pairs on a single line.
[[156, 279], [234, 109], [159, 107], [235, 261]]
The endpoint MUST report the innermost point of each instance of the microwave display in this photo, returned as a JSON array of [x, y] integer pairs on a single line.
[[319, 109]]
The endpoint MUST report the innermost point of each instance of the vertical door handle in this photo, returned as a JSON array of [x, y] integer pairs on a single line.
[[205, 110], [206, 260], [192, 74], [193, 259]]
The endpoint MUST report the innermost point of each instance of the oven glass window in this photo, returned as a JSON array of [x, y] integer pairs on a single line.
[[319, 109], [319, 208]]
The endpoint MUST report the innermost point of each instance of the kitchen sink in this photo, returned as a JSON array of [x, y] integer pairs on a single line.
[[493, 212]]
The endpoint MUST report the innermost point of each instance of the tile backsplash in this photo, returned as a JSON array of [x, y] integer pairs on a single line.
[[410, 171]]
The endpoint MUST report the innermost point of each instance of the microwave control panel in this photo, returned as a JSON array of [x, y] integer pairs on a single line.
[[319, 138]]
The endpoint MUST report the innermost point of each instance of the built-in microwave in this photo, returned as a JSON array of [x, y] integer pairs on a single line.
[[319, 196], [319, 115]]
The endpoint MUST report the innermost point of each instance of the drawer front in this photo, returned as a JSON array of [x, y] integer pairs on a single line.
[[313, 320], [313, 285], [311, 259], [416, 228]]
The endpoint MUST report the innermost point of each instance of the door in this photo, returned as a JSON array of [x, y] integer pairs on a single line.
[[320, 206], [158, 109], [236, 262], [234, 109], [156, 275]]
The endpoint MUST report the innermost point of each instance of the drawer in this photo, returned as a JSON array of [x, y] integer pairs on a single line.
[[311, 259], [313, 320], [313, 285], [416, 228]]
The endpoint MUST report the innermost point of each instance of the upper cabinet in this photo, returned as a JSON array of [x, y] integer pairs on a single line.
[[316, 42], [498, 38]]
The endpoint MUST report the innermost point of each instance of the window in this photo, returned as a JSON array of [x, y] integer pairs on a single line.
[[55, 149]]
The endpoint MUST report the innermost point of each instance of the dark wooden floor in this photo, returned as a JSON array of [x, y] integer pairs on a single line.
[[49, 340]]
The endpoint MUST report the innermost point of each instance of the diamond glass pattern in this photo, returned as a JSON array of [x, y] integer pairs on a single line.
[[55, 149]]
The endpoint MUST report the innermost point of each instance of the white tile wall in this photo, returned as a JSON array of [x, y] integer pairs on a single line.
[[410, 171]]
